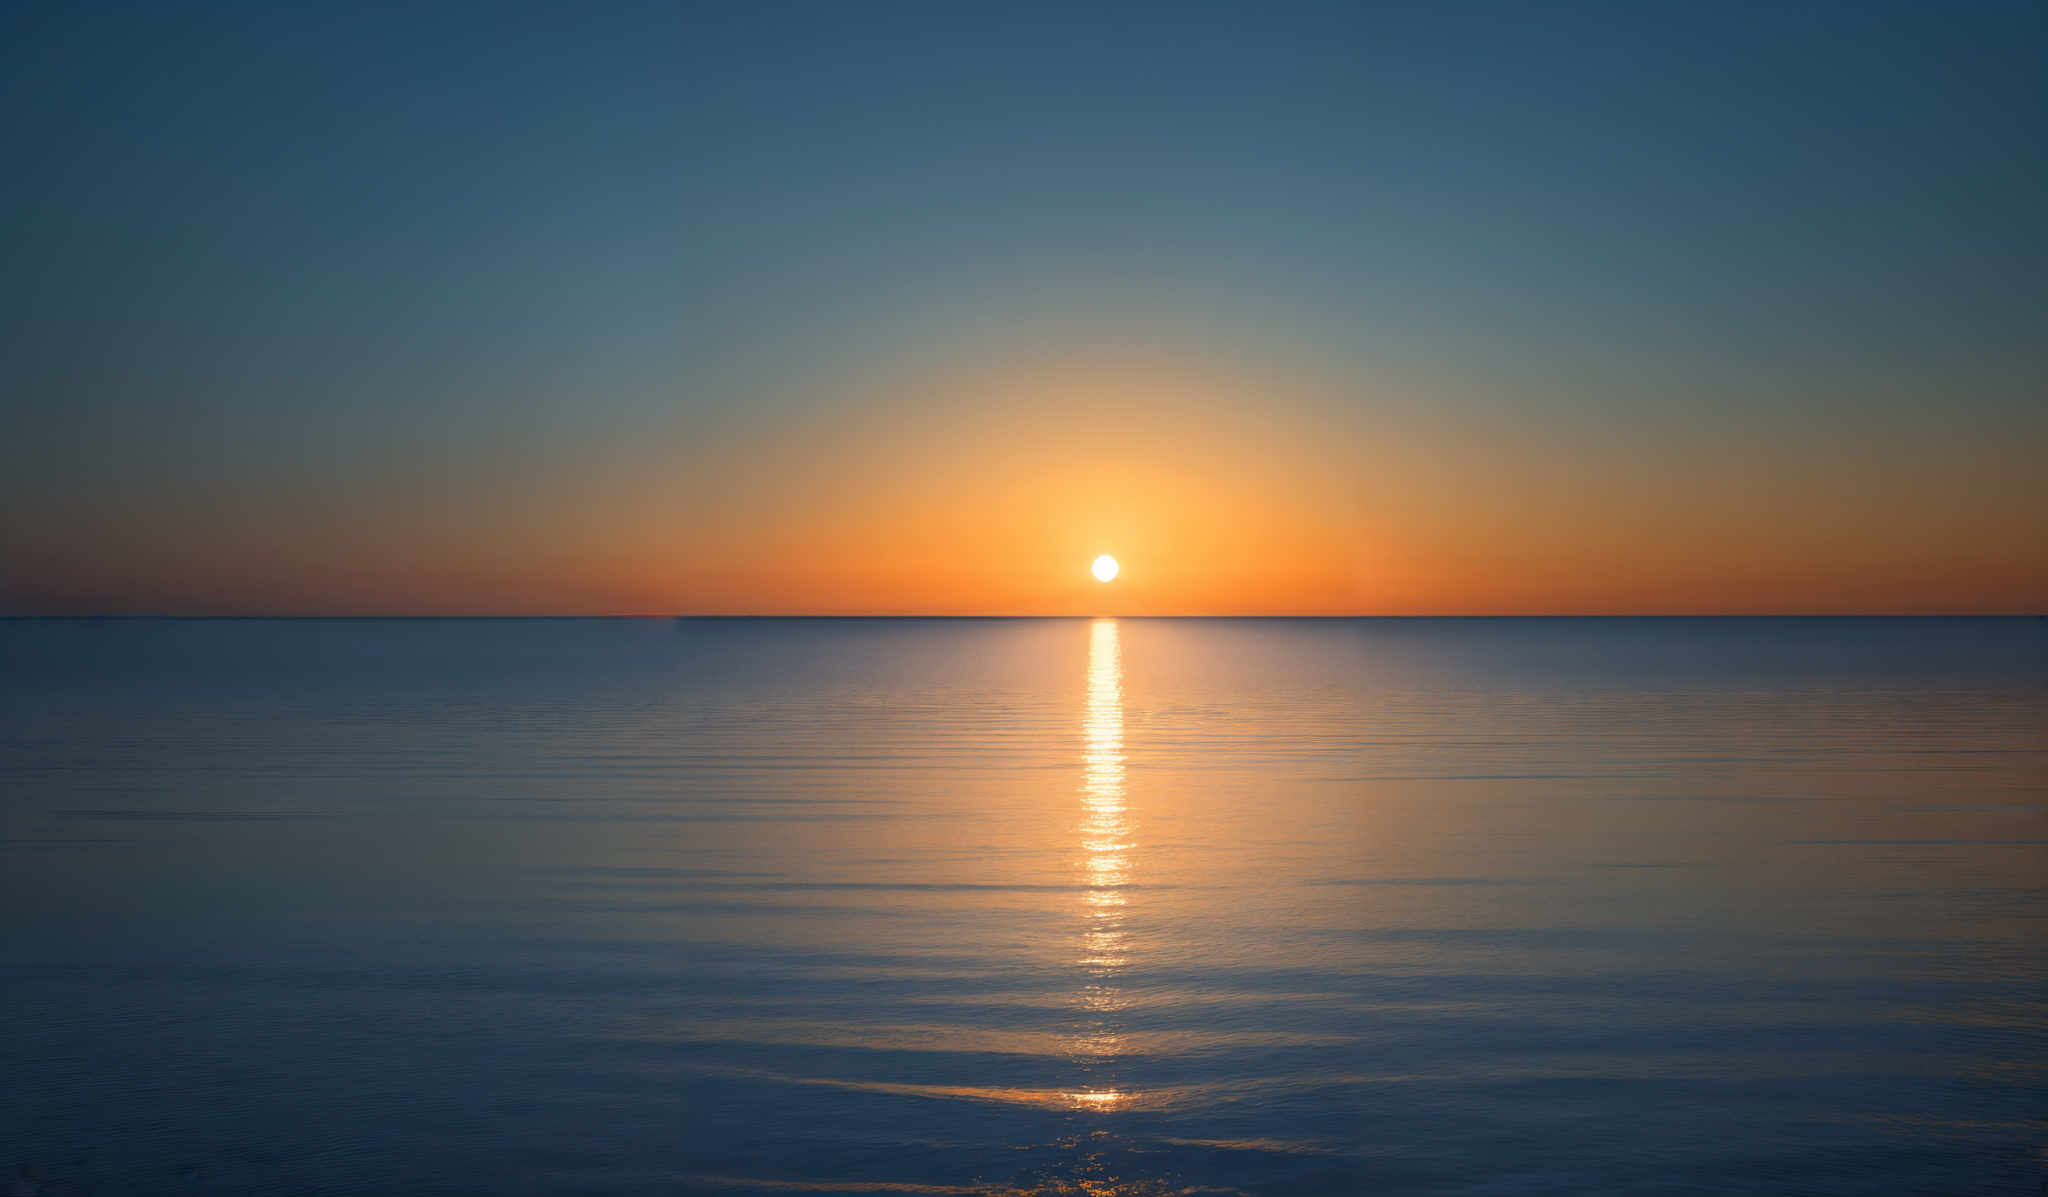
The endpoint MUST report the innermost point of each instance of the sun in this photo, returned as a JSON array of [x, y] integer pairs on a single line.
[[1104, 568]]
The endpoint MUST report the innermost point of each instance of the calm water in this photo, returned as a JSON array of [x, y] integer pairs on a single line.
[[1132, 907]]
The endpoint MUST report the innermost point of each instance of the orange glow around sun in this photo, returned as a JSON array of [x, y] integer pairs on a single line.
[[1225, 490]]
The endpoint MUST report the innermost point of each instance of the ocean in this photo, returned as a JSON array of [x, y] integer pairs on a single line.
[[1101, 907]]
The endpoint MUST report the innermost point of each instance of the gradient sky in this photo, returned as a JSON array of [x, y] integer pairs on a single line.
[[915, 308]]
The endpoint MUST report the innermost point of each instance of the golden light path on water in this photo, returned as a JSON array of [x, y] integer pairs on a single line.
[[1106, 859]]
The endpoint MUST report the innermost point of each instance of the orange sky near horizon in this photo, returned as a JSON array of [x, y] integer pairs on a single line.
[[1221, 490]]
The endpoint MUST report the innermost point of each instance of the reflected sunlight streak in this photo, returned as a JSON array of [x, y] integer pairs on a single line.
[[1106, 846]]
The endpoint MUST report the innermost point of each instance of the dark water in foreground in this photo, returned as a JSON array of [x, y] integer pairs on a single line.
[[1471, 907]]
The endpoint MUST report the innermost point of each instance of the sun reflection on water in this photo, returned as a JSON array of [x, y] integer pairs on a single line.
[[1106, 859]]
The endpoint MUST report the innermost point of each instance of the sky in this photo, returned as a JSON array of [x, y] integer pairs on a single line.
[[759, 308]]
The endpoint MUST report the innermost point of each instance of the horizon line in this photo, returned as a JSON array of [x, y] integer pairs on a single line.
[[733, 616]]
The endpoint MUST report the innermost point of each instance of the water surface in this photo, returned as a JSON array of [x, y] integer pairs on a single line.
[[1103, 907]]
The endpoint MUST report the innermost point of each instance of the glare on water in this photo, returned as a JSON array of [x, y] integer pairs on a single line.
[[1106, 859]]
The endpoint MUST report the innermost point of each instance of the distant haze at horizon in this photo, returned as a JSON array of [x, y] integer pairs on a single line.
[[1319, 309]]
